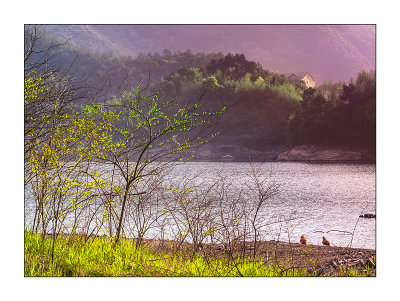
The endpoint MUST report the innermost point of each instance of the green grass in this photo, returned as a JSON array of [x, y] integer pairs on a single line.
[[74, 257]]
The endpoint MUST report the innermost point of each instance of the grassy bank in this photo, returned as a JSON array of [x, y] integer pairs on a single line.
[[74, 257]]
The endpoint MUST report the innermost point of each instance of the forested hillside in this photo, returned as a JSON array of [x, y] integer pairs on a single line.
[[328, 52], [101, 67], [347, 119], [264, 108]]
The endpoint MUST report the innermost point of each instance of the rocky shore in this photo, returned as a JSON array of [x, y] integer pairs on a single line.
[[324, 260], [313, 153], [307, 153], [318, 260]]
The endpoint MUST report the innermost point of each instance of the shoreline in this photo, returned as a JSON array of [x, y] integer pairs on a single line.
[[280, 251], [246, 160], [298, 153], [275, 256], [323, 259]]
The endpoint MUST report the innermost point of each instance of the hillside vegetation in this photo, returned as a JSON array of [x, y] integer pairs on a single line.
[[328, 52], [264, 109]]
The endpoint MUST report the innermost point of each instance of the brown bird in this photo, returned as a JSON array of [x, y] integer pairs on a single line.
[[325, 241], [303, 240]]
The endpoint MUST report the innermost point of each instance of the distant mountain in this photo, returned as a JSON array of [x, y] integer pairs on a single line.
[[328, 52]]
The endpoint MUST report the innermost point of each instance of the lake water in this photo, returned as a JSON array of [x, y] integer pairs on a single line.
[[321, 199], [313, 199]]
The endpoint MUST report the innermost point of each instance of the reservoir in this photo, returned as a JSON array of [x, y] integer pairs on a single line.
[[314, 199]]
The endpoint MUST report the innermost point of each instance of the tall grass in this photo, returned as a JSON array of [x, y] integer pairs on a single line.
[[97, 257], [73, 257]]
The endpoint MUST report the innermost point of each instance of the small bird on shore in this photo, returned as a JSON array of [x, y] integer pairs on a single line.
[[325, 242], [303, 240]]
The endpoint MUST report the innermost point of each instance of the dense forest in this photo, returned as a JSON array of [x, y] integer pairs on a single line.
[[264, 108], [344, 118]]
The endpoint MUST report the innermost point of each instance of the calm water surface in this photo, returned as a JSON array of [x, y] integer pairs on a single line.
[[313, 199], [322, 199]]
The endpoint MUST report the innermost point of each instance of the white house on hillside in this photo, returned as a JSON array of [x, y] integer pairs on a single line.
[[302, 76]]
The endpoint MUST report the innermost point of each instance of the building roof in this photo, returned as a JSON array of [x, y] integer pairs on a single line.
[[299, 74]]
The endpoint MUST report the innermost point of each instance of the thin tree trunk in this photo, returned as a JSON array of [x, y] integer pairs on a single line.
[[121, 217]]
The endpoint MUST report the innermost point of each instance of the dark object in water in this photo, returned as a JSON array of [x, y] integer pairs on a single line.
[[368, 215]]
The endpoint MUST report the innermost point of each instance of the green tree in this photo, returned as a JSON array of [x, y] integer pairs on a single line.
[[310, 123], [145, 133]]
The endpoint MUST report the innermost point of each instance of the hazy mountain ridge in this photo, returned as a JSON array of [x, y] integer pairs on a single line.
[[265, 109], [328, 52]]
